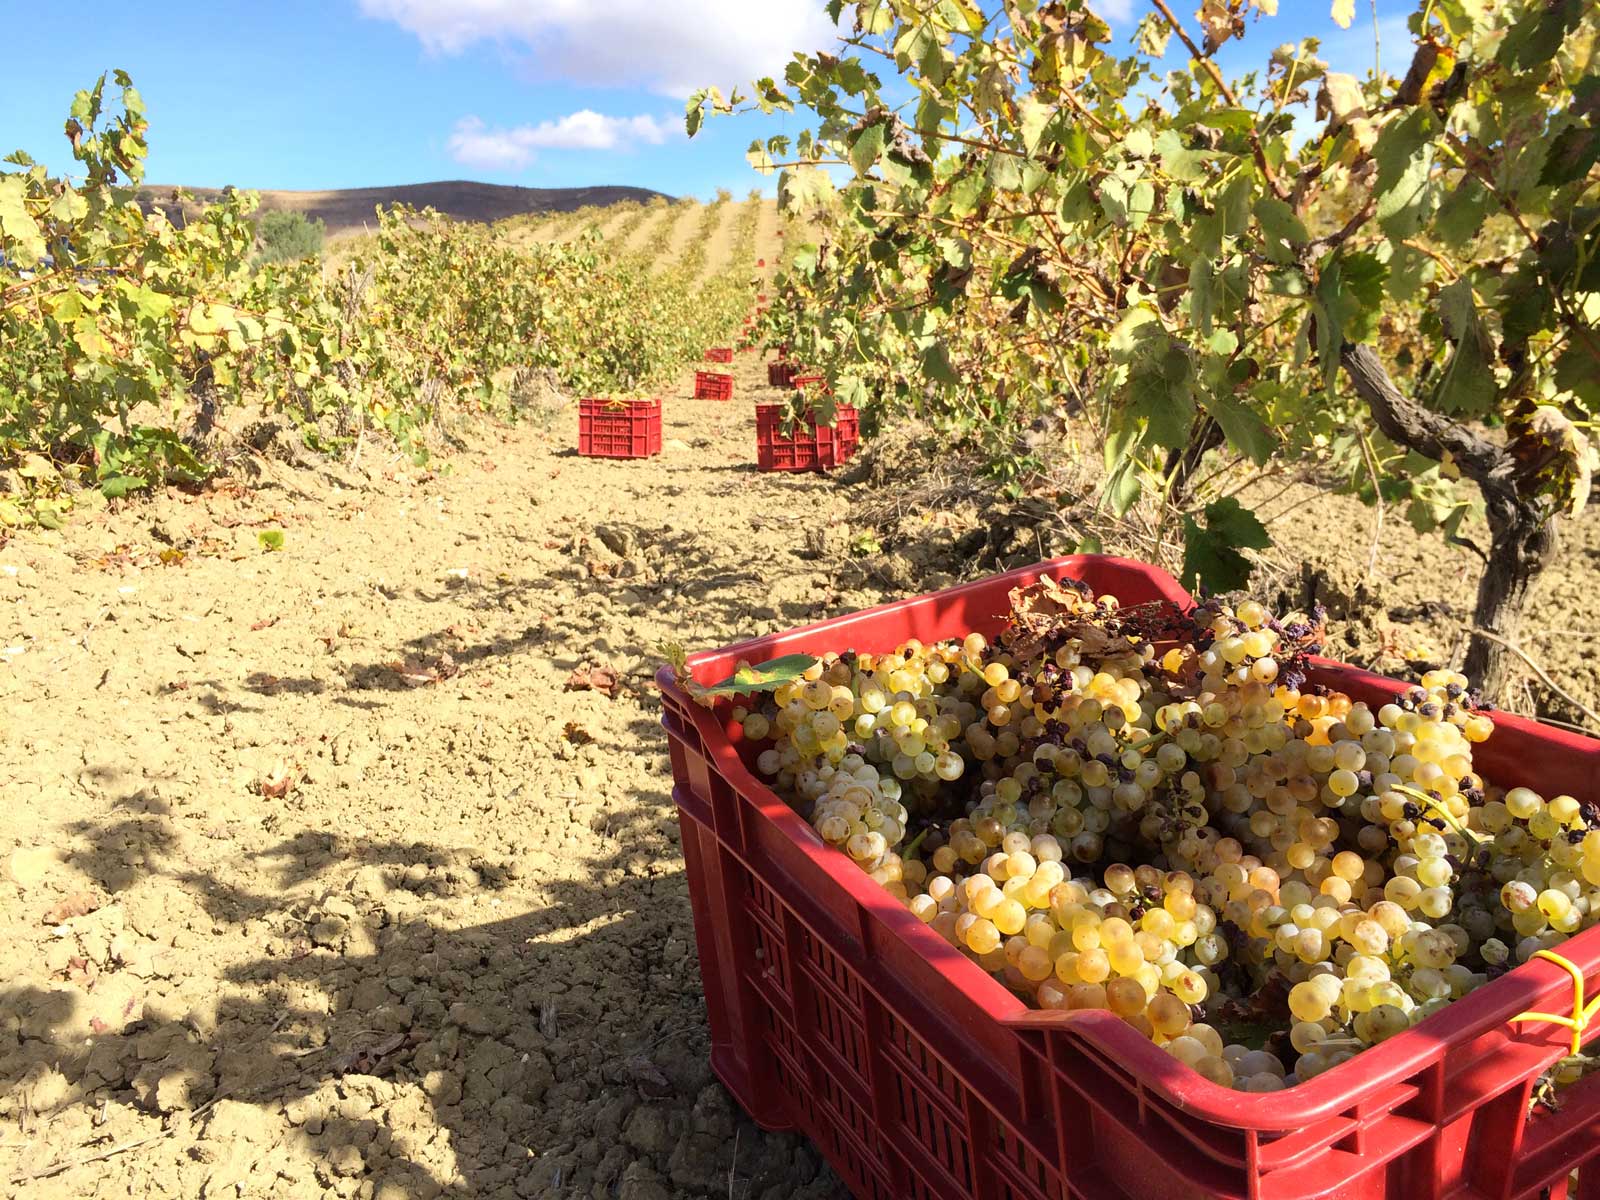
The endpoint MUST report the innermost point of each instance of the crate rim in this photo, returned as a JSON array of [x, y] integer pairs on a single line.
[[1330, 1094]]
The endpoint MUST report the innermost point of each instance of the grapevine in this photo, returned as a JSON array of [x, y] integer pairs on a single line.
[[125, 340], [1051, 224]]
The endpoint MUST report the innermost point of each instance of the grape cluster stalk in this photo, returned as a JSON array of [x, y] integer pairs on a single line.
[[1155, 814]]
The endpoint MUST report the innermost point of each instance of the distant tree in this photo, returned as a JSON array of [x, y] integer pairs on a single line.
[[289, 236]]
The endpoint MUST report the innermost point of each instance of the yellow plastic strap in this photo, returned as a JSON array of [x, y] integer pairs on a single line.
[[1581, 1014]]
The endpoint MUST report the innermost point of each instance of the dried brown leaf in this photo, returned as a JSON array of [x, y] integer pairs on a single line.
[[278, 782], [78, 904], [594, 679]]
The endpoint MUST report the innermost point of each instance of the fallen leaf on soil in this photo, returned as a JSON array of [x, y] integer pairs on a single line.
[[78, 904], [82, 972], [415, 673], [576, 734], [171, 557], [593, 679], [648, 1078], [277, 783], [264, 623]]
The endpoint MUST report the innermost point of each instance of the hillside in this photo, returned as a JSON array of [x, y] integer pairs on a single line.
[[348, 210], [661, 232]]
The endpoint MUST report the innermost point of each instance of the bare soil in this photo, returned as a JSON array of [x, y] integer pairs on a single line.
[[322, 874], [351, 869]]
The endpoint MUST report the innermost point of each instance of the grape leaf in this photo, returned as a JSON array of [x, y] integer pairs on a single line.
[[1244, 430], [1468, 385], [1211, 554], [1404, 153], [764, 677], [864, 152]]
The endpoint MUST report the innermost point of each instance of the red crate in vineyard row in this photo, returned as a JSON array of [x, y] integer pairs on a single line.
[[619, 428], [807, 445], [835, 1011], [781, 373], [719, 354], [713, 385]]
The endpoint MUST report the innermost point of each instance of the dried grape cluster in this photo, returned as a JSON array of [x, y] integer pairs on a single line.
[[1152, 813]]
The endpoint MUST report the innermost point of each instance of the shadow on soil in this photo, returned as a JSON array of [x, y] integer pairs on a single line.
[[558, 1052]]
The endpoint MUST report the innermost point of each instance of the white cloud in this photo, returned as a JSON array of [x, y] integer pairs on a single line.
[[1113, 10], [478, 145], [672, 48]]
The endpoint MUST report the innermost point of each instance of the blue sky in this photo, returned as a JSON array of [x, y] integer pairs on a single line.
[[545, 93]]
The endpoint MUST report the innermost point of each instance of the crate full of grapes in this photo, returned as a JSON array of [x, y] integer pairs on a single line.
[[1063, 884], [781, 373]]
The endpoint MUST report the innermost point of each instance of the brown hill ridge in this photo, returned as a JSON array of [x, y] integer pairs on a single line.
[[349, 210]]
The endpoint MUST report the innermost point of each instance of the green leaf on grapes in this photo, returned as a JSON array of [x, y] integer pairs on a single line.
[[764, 677], [1211, 554]]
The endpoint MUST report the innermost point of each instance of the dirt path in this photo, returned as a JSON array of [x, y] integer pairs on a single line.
[[316, 879]]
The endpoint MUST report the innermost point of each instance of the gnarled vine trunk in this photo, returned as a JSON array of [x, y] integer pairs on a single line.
[[1523, 536], [1522, 544]]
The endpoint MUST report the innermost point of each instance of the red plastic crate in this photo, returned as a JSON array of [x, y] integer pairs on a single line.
[[835, 1011], [781, 373], [808, 445], [607, 429], [804, 382], [713, 385], [719, 354]]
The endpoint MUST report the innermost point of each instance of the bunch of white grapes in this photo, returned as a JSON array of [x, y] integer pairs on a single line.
[[1297, 855]]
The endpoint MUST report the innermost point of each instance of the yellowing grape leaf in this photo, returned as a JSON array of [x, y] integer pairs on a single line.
[[1344, 13], [1555, 456]]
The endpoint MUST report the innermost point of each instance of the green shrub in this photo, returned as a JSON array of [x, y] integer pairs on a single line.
[[289, 237]]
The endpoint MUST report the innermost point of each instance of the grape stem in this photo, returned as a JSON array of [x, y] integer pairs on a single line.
[[914, 843], [1444, 814]]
